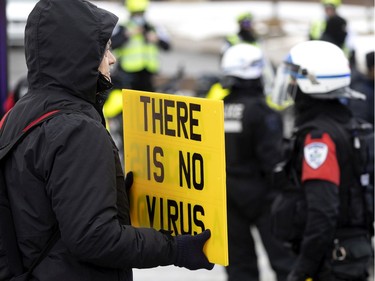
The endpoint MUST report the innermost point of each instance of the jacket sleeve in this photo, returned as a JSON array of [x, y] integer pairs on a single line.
[[320, 180], [81, 185], [322, 214]]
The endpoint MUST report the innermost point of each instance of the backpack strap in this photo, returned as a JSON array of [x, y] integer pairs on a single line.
[[15, 260], [4, 150]]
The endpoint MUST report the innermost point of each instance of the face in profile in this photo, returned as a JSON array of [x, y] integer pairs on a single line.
[[108, 60]]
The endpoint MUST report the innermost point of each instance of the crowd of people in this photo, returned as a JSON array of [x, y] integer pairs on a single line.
[[319, 79]]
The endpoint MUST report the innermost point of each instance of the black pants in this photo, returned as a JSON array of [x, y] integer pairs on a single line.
[[141, 80], [243, 260]]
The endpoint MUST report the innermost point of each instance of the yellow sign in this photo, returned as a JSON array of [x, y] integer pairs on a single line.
[[175, 147]]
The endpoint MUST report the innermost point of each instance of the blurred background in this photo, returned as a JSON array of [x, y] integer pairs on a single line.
[[197, 29]]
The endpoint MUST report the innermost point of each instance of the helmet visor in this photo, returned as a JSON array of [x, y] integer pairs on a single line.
[[285, 87]]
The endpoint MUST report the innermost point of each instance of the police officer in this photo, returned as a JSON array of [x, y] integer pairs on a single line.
[[137, 45], [253, 143], [334, 244], [245, 34], [332, 28]]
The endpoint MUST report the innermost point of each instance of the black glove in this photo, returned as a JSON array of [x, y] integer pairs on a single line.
[[190, 251], [129, 180]]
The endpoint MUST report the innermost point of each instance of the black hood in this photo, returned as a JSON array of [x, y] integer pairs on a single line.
[[65, 42]]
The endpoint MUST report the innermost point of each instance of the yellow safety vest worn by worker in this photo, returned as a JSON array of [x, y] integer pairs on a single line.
[[137, 54]]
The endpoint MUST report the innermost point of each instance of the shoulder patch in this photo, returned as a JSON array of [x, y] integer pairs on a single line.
[[320, 160], [315, 154]]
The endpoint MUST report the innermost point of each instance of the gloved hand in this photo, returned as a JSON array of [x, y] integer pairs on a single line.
[[129, 180], [190, 251]]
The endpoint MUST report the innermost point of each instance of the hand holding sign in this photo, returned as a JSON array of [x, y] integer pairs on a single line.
[[129, 180], [190, 251]]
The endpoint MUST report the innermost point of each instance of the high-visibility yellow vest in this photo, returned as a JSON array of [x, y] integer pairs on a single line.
[[235, 39], [317, 28], [137, 54], [217, 92], [113, 105]]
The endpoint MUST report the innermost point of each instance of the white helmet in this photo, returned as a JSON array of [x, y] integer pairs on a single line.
[[243, 61], [319, 68]]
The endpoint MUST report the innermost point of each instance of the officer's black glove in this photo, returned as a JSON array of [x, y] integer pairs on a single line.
[[190, 251]]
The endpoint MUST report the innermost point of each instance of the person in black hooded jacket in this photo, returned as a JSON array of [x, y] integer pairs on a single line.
[[67, 172], [253, 150]]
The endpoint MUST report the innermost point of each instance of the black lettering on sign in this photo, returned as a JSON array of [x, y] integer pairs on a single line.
[[171, 118], [145, 100], [194, 122], [151, 209], [157, 153], [172, 207], [182, 217], [198, 209], [182, 119], [185, 213], [161, 212], [191, 169], [168, 118], [157, 115]]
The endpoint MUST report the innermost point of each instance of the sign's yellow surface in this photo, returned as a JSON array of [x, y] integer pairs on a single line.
[[175, 147]]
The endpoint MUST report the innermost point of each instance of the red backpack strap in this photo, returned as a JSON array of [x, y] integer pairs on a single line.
[[48, 115], [40, 119], [3, 119]]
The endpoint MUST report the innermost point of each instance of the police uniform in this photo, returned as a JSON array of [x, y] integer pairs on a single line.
[[334, 203], [253, 139]]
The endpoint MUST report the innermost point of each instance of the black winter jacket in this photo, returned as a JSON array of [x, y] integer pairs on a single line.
[[331, 210], [66, 171], [253, 147]]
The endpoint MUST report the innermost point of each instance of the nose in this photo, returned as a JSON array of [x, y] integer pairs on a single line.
[[111, 58]]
